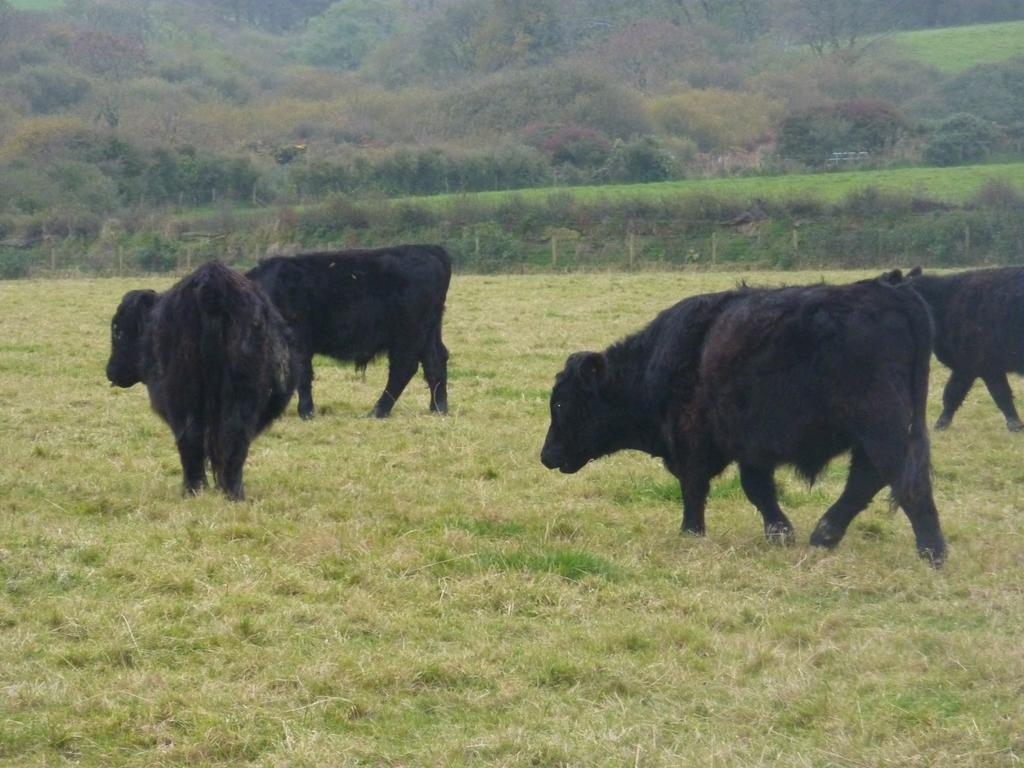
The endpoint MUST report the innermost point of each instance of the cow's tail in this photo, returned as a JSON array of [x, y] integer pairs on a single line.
[[916, 475], [445, 259], [211, 295]]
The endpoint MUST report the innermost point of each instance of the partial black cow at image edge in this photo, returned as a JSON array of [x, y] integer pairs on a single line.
[[357, 304], [215, 356], [763, 378], [979, 333]]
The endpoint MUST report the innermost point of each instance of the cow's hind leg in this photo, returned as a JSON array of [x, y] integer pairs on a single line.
[[1000, 390], [862, 484], [435, 370], [903, 462], [193, 457], [401, 368], [759, 485], [305, 384], [953, 395]]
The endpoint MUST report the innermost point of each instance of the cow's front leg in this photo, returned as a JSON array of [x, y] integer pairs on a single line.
[[305, 385], [759, 485], [695, 487], [953, 395], [193, 457]]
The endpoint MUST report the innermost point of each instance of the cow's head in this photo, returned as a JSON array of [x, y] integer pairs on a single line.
[[581, 415], [126, 329]]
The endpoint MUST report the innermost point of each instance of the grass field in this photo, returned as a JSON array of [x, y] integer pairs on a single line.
[[954, 185], [421, 592], [37, 5], [954, 49], [949, 184]]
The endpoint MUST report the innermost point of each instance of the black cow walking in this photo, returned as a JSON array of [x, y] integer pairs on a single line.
[[765, 377], [356, 305], [979, 333], [214, 354]]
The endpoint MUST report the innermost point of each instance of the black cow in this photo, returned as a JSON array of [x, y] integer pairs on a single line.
[[765, 377], [215, 356], [979, 332], [356, 305]]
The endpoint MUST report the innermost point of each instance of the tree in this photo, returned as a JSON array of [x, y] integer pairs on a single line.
[[347, 33], [828, 26], [517, 32], [114, 59], [8, 21]]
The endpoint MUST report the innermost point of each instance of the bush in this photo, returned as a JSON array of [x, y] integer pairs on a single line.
[[959, 139], [852, 126], [50, 89], [716, 119], [154, 254], [15, 263], [642, 159]]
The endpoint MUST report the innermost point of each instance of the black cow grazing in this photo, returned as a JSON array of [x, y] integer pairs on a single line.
[[356, 305], [214, 354], [979, 332], [765, 377]]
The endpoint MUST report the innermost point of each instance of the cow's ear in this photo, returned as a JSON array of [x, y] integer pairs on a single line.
[[147, 299], [893, 276], [915, 272], [592, 368]]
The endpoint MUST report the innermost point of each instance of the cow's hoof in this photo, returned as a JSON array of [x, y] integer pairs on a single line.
[[378, 413], [943, 422], [691, 531], [934, 554], [306, 413], [1014, 425], [780, 533], [825, 536]]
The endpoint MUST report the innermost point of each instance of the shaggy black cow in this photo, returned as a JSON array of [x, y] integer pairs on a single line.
[[214, 354], [979, 332], [765, 377], [356, 305]]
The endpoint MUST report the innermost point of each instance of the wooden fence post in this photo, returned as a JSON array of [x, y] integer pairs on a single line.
[[631, 247], [796, 243], [967, 242], [714, 247], [554, 251], [120, 260]]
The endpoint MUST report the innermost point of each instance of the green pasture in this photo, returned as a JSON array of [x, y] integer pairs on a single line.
[[954, 184], [37, 5], [953, 49], [422, 592]]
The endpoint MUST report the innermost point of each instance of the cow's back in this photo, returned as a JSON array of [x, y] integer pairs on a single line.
[[356, 304], [792, 372], [979, 318]]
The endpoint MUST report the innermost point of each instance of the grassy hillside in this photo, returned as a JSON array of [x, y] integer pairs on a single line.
[[953, 184], [36, 5], [957, 48], [421, 592]]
